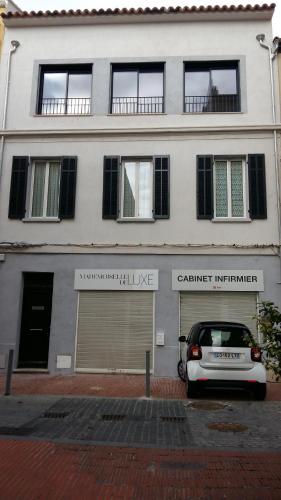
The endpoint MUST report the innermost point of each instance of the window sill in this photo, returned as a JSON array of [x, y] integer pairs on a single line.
[[41, 219], [213, 112], [134, 219], [232, 219], [57, 115], [136, 114]]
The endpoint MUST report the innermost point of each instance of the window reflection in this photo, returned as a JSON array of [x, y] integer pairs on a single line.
[[67, 91], [137, 90]]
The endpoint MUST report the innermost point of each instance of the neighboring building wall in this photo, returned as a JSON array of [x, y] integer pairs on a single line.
[[2, 9]]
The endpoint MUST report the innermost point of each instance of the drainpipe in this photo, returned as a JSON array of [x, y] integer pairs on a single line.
[[13, 49], [272, 51]]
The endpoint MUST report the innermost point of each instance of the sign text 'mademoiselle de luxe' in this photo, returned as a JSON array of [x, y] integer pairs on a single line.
[[218, 280], [116, 279]]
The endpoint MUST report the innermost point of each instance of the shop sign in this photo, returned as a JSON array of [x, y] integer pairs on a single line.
[[116, 279], [218, 280]]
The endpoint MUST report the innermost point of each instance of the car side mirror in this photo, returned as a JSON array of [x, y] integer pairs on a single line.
[[182, 338]]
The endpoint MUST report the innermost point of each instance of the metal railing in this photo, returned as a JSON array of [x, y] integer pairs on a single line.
[[131, 105], [215, 104], [65, 106]]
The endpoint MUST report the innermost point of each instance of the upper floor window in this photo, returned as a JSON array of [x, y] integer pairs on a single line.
[[45, 181], [231, 188], [65, 89], [137, 89], [43, 189], [212, 87], [136, 189]]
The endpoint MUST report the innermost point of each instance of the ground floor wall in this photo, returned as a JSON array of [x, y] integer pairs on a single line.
[[165, 324]]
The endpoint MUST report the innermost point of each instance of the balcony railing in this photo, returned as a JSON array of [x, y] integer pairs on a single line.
[[132, 105], [212, 104], [65, 106]]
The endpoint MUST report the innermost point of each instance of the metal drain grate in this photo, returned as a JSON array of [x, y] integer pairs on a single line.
[[16, 431], [113, 417], [55, 414], [169, 418]]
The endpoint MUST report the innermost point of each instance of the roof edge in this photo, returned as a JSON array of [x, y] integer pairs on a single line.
[[140, 11]]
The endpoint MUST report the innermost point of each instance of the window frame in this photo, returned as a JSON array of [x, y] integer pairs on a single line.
[[141, 67], [229, 216], [205, 65], [137, 161], [46, 188], [68, 69]]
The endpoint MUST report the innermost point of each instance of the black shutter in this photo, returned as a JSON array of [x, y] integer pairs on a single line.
[[68, 187], [205, 202], [110, 187], [257, 186], [161, 187], [18, 187]]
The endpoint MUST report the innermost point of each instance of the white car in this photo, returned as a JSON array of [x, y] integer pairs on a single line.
[[221, 354]]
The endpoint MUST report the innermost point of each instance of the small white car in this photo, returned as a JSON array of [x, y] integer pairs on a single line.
[[221, 354]]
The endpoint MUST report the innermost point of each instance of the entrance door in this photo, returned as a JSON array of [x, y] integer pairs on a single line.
[[36, 320]]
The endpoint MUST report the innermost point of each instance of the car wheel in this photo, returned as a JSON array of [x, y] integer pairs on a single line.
[[260, 392], [191, 390], [181, 371]]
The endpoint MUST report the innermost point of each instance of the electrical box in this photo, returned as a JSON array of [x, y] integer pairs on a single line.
[[160, 338]]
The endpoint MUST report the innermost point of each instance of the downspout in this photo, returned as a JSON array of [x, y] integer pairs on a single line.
[[272, 51], [13, 49]]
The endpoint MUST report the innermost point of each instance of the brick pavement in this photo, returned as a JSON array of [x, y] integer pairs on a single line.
[[109, 386], [32, 470]]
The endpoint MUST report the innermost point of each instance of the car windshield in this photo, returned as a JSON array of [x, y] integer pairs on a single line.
[[224, 336]]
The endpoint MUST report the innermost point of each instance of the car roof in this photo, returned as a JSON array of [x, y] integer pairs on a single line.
[[218, 323]]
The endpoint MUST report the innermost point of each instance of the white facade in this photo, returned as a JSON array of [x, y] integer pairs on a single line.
[[179, 241]]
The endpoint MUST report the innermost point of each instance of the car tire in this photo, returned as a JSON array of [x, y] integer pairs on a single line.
[[181, 371], [191, 389], [260, 392]]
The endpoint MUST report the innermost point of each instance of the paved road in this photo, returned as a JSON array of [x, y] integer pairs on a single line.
[[197, 424]]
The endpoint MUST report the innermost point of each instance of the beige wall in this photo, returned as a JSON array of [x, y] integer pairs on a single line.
[[1, 28]]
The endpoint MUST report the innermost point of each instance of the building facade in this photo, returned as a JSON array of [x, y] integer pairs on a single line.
[[139, 183]]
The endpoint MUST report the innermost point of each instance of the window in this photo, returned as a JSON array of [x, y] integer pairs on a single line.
[[137, 89], [44, 198], [43, 189], [65, 90], [231, 188], [212, 87], [136, 188]]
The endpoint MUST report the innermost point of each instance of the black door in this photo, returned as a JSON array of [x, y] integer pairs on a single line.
[[36, 320]]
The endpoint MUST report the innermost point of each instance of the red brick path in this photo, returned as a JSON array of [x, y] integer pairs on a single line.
[[32, 470], [107, 386]]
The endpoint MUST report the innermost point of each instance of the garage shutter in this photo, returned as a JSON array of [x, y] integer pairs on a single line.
[[231, 306], [114, 330]]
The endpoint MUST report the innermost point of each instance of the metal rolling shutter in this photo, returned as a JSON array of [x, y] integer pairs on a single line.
[[114, 330], [225, 306]]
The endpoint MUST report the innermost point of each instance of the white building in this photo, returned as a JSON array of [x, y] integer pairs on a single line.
[[139, 183]]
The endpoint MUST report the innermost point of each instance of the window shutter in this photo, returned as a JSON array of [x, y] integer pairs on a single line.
[[257, 186], [18, 187], [161, 187], [205, 202], [68, 187], [110, 207]]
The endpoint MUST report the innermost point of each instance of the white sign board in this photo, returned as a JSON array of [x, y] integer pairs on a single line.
[[218, 280], [116, 279]]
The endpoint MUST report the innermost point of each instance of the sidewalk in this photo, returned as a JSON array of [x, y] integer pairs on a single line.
[[103, 385], [50, 471]]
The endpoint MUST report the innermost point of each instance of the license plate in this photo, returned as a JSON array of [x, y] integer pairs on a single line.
[[227, 355]]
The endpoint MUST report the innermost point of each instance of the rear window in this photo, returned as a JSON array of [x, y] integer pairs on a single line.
[[224, 337]]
